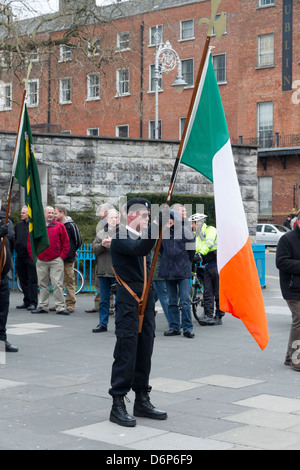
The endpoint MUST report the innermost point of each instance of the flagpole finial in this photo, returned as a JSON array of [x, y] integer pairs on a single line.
[[219, 25], [25, 80]]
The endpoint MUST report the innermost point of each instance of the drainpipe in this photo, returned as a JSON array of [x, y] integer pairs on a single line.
[[142, 80]]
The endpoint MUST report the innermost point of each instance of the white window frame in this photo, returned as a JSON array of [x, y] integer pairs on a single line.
[[184, 75], [94, 47], [152, 31], [215, 58], [265, 195], [182, 122], [33, 94], [6, 99], [93, 96], [123, 45], [62, 91], [263, 52], [189, 38], [65, 53], [265, 116], [118, 130], [265, 3], [152, 129], [152, 79], [123, 84], [91, 130]]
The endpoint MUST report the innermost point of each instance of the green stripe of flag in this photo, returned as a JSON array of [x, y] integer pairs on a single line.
[[207, 131]]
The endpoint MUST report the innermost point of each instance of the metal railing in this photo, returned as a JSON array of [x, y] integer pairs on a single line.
[[270, 140], [84, 262]]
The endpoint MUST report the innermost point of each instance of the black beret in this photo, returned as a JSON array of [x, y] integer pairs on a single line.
[[139, 203]]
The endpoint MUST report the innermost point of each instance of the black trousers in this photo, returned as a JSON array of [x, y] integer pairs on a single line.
[[28, 279], [211, 292], [133, 350], [4, 306]]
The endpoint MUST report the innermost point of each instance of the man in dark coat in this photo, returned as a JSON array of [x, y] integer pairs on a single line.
[[288, 263], [133, 350], [4, 288], [25, 267], [177, 253]]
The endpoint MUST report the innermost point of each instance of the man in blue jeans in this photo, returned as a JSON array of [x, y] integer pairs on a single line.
[[177, 252]]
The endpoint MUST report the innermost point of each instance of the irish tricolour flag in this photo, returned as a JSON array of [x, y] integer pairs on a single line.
[[207, 149]]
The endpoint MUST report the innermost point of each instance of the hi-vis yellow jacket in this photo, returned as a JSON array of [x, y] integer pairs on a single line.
[[206, 241]]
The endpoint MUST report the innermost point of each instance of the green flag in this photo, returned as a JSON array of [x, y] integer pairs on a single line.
[[26, 173]]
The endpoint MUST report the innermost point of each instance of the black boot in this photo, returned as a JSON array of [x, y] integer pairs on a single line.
[[144, 408], [119, 413]]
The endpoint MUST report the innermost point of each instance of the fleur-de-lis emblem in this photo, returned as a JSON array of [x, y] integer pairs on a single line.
[[219, 25]]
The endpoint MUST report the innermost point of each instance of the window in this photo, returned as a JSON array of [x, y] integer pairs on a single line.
[[156, 35], [33, 93], [65, 53], [152, 129], [263, 3], [213, 31], [152, 79], [187, 30], [265, 124], [182, 122], [188, 71], [219, 63], [265, 195], [122, 131], [123, 82], [93, 131], [65, 95], [6, 97], [265, 47], [123, 41], [5, 59], [93, 86], [94, 47]]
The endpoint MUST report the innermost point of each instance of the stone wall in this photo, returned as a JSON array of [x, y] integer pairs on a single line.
[[82, 172]]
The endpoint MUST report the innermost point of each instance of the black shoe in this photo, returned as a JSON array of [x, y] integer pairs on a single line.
[[218, 321], [189, 334], [119, 413], [172, 333], [31, 307], [10, 348], [63, 312], [144, 408], [207, 321], [99, 329], [39, 310], [22, 306]]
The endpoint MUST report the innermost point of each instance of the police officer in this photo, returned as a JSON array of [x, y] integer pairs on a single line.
[[206, 245], [133, 350], [4, 288]]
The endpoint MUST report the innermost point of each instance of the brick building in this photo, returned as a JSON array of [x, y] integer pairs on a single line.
[[101, 81]]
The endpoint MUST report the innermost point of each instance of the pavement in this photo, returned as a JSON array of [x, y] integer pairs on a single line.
[[220, 390]]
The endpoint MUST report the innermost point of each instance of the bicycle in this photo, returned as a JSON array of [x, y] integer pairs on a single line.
[[79, 282], [197, 288]]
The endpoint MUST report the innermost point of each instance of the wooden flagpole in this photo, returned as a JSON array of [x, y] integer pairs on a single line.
[[12, 174], [220, 26]]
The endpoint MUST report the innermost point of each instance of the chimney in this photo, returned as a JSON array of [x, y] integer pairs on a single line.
[[67, 5]]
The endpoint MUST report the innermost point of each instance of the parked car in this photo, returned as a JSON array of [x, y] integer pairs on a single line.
[[269, 234]]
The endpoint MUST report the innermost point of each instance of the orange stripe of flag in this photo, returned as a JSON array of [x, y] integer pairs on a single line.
[[238, 276]]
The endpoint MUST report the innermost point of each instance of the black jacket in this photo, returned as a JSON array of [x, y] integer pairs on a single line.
[[11, 231], [177, 253], [21, 236], [7, 260], [288, 263], [75, 239]]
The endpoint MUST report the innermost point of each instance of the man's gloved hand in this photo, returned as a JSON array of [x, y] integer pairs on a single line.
[[3, 230]]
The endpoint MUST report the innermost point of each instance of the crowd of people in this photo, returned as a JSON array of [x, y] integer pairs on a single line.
[[123, 248]]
